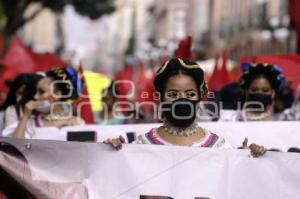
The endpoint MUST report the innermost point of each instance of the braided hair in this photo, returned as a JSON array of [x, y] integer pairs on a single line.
[[177, 66], [268, 71], [68, 82]]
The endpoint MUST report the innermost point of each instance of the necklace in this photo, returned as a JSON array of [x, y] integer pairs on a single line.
[[59, 113], [258, 117], [181, 131]]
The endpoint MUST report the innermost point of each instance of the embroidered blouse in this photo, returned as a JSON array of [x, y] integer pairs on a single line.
[[210, 140]]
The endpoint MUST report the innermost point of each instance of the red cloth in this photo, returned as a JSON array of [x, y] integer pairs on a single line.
[[142, 86], [145, 89], [294, 7], [220, 76], [20, 59], [125, 75], [289, 63], [47, 61], [184, 50]]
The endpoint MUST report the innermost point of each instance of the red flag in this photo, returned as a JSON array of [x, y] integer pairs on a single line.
[[47, 61], [290, 65], [18, 59], [225, 74], [144, 88], [220, 76], [124, 88], [184, 50]]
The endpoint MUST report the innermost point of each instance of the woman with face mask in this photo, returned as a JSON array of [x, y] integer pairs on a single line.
[[181, 87], [260, 83], [21, 91], [49, 106]]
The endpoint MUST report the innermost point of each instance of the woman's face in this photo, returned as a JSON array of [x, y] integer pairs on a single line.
[[181, 86], [261, 86], [44, 91]]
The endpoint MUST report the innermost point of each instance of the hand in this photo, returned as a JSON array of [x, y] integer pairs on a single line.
[[72, 121], [29, 106], [116, 142], [256, 150]]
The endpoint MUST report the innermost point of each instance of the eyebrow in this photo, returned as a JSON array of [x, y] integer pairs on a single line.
[[256, 87], [184, 91]]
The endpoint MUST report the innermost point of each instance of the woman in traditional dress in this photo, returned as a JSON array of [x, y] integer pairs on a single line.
[[260, 82], [21, 88], [48, 107], [181, 86]]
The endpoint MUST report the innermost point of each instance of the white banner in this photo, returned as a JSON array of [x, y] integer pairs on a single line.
[[275, 135], [94, 170]]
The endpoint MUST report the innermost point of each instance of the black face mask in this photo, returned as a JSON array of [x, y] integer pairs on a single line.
[[264, 99], [181, 112]]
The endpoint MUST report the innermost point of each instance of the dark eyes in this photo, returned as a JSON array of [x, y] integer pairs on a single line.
[[41, 91], [177, 94], [265, 90], [191, 94], [173, 94]]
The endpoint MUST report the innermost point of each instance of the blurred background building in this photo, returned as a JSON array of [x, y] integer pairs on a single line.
[[151, 29]]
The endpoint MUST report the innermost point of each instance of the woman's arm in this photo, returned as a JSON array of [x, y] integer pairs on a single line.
[[21, 128]]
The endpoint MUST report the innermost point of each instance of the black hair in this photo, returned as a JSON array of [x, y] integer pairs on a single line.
[[69, 85], [231, 94], [11, 188], [286, 96], [266, 71], [177, 66], [259, 76], [30, 88], [26, 79], [63, 87]]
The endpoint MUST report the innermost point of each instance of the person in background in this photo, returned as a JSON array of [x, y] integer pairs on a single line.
[[109, 114], [232, 98], [48, 107], [21, 90], [181, 86], [283, 100], [292, 113], [260, 83]]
